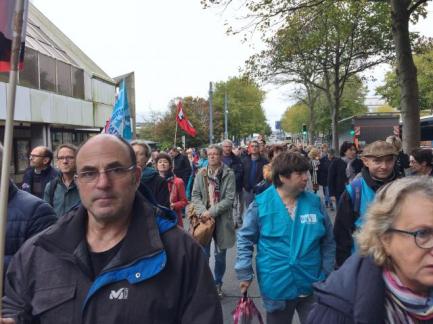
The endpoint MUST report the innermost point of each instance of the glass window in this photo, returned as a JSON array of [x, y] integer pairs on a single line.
[[77, 83], [47, 67], [64, 86], [29, 76], [4, 77]]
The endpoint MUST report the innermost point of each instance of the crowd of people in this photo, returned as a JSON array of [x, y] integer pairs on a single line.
[[102, 237]]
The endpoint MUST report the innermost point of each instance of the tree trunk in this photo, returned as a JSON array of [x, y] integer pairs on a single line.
[[312, 119], [407, 75]]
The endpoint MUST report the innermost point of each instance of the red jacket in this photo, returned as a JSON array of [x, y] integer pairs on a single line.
[[178, 200]]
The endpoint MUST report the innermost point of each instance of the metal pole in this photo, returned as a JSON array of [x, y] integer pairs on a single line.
[[226, 127], [210, 114], [175, 135], [7, 149]]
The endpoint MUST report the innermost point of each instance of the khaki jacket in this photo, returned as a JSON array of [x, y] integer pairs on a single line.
[[222, 212]]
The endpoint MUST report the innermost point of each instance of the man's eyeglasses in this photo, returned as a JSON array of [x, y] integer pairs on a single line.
[[423, 238], [32, 156], [65, 158], [112, 174]]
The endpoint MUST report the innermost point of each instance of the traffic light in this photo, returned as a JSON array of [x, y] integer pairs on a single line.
[[304, 129], [352, 132]]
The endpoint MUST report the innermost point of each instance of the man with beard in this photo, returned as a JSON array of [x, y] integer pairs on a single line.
[[40, 171]]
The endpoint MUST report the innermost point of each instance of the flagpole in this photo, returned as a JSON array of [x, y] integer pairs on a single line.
[[7, 145], [175, 135]]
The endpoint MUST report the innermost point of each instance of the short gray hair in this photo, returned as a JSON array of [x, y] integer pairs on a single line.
[[383, 211], [215, 147], [143, 144], [227, 141]]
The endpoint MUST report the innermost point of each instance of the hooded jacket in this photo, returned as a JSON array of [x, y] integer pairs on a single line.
[[354, 294], [159, 275]]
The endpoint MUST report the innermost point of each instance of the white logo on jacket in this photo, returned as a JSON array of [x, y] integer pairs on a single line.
[[122, 293], [308, 219]]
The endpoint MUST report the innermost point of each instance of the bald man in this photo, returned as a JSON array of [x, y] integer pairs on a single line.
[[115, 259]]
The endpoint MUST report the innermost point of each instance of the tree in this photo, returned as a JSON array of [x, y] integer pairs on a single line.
[[325, 50], [266, 15], [390, 90], [245, 113], [162, 129], [401, 12], [294, 117]]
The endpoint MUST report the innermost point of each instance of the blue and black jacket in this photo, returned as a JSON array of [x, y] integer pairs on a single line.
[[159, 275]]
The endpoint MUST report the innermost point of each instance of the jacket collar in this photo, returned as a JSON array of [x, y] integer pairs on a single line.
[[375, 184], [67, 238], [357, 289]]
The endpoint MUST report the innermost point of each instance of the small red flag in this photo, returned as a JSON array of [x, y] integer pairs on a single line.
[[183, 121], [6, 33]]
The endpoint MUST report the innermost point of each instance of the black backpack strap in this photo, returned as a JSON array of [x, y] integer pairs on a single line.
[[53, 185]]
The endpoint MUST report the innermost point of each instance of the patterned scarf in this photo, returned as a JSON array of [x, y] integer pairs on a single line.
[[402, 305], [214, 177]]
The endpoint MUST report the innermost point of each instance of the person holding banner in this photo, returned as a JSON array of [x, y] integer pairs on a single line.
[[115, 259]]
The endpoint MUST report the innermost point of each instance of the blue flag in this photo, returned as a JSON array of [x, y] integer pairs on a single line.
[[120, 123]]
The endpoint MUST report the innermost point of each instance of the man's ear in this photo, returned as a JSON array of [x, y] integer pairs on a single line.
[[137, 176], [365, 161]]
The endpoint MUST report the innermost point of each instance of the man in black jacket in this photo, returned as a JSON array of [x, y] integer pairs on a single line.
[[116, 259], [150, 178], [379, 160], [40, 171], [234, 163], [253, 172], [181, 166]]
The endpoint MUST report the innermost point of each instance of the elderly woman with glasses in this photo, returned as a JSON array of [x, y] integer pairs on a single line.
[[390, 280]]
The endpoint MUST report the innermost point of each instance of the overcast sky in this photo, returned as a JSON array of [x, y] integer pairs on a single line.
[[174, 47]]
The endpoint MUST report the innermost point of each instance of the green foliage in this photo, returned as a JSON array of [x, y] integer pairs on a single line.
[[390, 90], [245, 113], [294, 117], [161, 128]]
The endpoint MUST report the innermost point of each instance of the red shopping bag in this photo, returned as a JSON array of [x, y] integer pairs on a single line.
[[246, 312]]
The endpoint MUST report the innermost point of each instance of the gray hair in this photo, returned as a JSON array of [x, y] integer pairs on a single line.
[[227, 141], [383, 211], [215, 147], [143, 144]]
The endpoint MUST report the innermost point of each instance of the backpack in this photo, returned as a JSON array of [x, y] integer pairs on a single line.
[[355, 195], [53, 185]]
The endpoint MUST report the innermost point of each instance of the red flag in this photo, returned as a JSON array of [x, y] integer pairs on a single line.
[[6, 24], [183, 122]]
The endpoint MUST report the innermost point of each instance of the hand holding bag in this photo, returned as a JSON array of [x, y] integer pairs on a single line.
[[200, 229], [246, 312]]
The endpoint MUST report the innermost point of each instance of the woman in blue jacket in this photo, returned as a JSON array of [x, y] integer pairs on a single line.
[[295, 245]]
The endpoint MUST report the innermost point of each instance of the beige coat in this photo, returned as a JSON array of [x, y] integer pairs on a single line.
[[222, 212]]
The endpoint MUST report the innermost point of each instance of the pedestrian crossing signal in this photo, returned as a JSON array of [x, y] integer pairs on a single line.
[[304, 129]]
